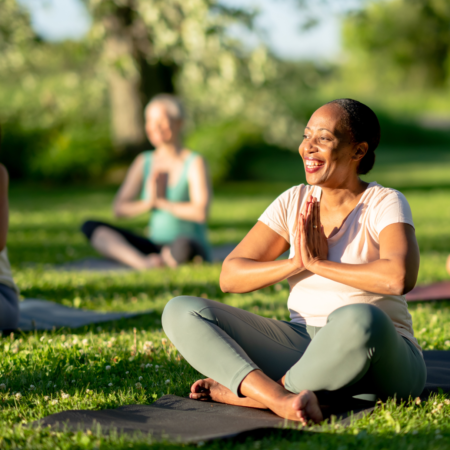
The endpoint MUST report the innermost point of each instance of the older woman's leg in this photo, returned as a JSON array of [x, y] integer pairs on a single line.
[[359, 351], [122, 245]]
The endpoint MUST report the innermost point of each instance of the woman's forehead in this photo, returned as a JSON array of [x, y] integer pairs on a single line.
[[329, 117], [157, 110]]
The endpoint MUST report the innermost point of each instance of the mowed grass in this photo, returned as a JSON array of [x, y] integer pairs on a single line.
[[130, 361]]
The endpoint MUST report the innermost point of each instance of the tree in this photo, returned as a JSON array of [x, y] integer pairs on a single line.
[[16, 36], [181, 45], [401, 41]]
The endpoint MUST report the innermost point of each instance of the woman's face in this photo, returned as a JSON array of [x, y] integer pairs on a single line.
[[329, 154], [160, 127]]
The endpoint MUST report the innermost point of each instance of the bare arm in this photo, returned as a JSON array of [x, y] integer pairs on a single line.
[[251, 265], [125, 203], [395, 273], [196, 210], [4, 210]]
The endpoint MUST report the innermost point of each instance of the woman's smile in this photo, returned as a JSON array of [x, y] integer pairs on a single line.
[[313, 165]]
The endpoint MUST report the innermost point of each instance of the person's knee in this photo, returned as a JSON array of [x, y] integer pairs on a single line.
[[362, 323], [179, 311], [89, 227]]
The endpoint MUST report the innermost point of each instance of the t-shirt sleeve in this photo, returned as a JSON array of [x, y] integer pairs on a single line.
[[276, 215], [394, 208]]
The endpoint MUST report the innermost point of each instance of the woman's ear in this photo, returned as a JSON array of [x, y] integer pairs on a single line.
[[360, 151]]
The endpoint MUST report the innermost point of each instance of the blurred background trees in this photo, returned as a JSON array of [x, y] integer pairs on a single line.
[[73, 110]]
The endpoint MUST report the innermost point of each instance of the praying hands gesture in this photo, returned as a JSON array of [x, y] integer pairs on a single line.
[[311, 243]]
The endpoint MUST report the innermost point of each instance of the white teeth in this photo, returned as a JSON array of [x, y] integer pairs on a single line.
[[314, 163]]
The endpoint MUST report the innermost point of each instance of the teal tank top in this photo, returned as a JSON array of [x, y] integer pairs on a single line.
[[164, 227]]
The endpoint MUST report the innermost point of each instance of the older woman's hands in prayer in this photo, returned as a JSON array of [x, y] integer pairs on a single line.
[[313, 244]]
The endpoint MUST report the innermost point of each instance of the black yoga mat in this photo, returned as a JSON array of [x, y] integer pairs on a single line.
[[182, 419]]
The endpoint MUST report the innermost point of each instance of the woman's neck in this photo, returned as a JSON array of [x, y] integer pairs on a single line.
[[335, 198], [171, 150]]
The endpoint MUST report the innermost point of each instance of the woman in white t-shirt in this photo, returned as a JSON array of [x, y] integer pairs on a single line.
[[353, 256], [9, 293]]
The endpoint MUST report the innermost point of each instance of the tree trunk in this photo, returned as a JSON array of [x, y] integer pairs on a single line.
[[127, 121], [132, 80]]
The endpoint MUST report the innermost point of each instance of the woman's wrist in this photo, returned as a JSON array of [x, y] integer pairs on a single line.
[[296, 266], [163, 203]]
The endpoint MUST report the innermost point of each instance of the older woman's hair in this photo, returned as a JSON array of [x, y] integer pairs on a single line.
[[173, 105], [364, 127]]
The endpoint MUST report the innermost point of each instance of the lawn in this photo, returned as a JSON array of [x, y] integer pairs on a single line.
[[100, 367]]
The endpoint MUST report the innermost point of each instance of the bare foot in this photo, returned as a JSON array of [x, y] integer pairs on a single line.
[[153, 260], [303, 407], [209, 389], [448, 264], [167, 257], [308, 408]]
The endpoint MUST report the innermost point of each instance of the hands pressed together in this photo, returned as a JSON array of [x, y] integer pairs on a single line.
[[311, 245], [156, 186]]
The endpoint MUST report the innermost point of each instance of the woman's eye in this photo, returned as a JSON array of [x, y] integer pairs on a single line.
[[324, 138], [305, 136]]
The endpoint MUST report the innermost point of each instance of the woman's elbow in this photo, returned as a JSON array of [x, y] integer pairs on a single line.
[[116, 211], [401, 285], [224, 284]]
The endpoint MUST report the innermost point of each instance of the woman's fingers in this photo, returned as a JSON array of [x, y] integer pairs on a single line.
[[200, 396], [199, 386]]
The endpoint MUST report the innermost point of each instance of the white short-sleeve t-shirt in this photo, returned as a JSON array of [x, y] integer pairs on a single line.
[[313, 298]]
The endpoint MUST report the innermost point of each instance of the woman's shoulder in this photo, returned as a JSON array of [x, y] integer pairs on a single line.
[[297, 193], [379, 194]]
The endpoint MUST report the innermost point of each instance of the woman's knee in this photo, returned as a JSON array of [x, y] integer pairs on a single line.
[[362, 322], [180, 310], [89, 227]]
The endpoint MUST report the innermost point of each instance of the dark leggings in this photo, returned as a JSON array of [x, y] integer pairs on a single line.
[[358, 352], [9, 308], [182, 249]]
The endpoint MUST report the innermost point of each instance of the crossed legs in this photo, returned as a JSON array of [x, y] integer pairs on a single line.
[[245, 355]]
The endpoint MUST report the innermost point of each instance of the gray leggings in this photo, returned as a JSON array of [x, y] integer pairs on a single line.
[[9, 308], [357, 353]]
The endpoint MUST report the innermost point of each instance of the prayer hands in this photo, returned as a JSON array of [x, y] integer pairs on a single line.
[[313, 244], [156, 188], [150, 188]]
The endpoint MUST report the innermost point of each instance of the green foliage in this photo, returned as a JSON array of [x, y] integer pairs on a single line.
[[401, 42], [219, 143], [55, 124]]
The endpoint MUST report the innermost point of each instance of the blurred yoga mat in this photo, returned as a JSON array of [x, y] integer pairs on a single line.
[[184, 420], [434, 291], [45, 315], [219, 253]]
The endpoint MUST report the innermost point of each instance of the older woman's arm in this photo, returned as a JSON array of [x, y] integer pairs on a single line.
[[395, 273], [195, 210], [251, 265], [125, 203]]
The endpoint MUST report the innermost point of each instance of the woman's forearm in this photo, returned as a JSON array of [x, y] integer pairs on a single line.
[[131, 209], [240, 275], [386, 277], [184, 210]]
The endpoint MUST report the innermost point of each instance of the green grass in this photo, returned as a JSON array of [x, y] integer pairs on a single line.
[[68, 368]]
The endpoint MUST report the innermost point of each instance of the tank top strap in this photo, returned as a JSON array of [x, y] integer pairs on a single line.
[[187, 165], [148, 157]]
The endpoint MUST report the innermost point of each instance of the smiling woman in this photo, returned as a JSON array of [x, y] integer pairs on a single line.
[[353, 254]]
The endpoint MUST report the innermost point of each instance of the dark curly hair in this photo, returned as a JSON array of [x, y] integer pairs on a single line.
[[364, 127]]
